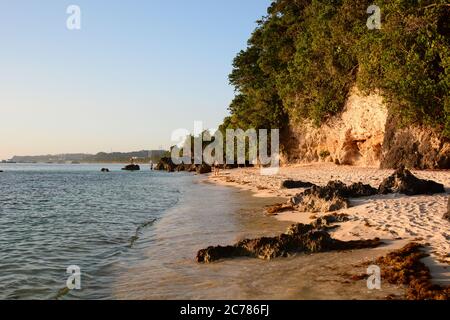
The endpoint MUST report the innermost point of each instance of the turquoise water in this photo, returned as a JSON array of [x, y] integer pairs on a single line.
[[54, 216]]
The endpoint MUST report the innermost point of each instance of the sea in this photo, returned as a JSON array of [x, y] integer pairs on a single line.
[[70, 231]]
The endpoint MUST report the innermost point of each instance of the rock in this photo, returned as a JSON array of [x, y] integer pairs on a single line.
[[192, 168], [279, 208], [291, 184], [447, 214], [414, 147], [132, 167], [350, 153], [203, 168], [309, 238], [358, 190], [165, 164], [1, 171], [332, 197], [314, 202], [325, 221], [105, 170], [403, 181], [181, 167]]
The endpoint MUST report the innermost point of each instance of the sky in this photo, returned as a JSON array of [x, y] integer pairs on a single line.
[[136, 71]]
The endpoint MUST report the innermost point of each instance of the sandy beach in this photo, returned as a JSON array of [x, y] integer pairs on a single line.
[[394, 218]]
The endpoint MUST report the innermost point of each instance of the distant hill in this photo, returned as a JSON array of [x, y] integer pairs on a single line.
[[143, 156]]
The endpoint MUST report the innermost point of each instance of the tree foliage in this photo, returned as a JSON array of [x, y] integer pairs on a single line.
[[305, 55]]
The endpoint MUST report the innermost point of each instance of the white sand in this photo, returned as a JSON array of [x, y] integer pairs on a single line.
[[389, 217]]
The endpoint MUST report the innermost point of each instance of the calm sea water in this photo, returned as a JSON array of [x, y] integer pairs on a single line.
[[54, 216], [134, 235]]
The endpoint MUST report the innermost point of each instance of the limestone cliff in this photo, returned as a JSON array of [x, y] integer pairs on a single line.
[[365, 134]]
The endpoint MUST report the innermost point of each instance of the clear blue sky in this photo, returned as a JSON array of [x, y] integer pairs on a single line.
[[135, 71]]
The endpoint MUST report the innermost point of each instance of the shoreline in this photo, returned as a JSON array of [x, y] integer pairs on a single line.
[[395, 219], [169, 269]]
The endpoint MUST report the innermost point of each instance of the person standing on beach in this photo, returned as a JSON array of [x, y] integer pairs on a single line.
[[216, 168]]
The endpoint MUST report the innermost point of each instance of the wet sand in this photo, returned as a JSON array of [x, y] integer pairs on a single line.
[[212, 215], [389, 217]]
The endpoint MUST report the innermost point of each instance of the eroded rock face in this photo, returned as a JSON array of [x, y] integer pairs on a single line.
[[332, 197], [403, 181], [353, 137], [413, 147], [310, 238], [365, 134]]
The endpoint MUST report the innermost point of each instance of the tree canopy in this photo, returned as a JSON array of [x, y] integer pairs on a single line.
[[305, 55]]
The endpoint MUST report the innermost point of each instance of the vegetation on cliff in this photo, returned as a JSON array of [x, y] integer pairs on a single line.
[[305, 55]]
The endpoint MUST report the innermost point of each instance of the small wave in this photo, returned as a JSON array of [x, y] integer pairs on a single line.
[[134, 238]]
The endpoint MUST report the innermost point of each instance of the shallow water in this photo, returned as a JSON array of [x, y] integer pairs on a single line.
[[219, 215], [135, 235]]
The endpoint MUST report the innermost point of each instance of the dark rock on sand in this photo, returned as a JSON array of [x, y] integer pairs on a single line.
[[105, 170], [191, 168], [332, 197], [403, 181], [203, 168], [132, 167], [292, 184], [325, 221], [309, 238]]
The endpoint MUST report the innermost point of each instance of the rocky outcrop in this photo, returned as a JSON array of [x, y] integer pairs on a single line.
[[332, 197], [292, 184], [203, 168], [310, 238], [132, 167], [165, 164], [365, 134], [413, 147], [403, 181], [354, 137]]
